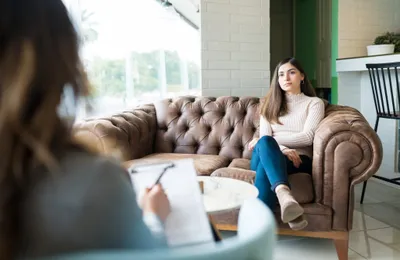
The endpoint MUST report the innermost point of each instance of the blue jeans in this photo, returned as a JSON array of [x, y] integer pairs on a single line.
[[272, 168]]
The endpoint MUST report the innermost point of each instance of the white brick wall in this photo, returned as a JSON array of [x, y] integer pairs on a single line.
[[361, 21], [235, 47]]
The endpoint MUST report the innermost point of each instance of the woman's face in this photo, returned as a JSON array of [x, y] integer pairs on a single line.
[[290, 78]]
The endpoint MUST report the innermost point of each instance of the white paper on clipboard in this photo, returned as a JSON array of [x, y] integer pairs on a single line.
[[188, 222]]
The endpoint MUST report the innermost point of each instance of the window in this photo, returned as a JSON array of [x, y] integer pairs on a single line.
[[135, 52]]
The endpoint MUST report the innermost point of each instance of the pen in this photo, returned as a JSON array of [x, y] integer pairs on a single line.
[[162, 173]]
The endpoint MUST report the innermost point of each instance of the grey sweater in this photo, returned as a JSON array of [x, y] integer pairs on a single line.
[[89, 205]]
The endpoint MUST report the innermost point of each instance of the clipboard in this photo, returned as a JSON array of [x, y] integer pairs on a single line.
[[188, 222]]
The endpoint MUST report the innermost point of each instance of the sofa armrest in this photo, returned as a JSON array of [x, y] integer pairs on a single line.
[[347, 151], [126, 136]]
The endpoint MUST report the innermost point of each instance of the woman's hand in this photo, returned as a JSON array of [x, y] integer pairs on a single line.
[[294, 156], [253, 143], [156, 201]]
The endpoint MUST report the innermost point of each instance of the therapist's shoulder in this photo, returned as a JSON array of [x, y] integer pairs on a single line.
[[79, 162]]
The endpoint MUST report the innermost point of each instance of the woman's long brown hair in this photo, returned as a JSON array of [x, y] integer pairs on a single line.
[[275, 101], [38, 57]]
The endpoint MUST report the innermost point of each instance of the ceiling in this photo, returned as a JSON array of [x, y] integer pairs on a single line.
[[189, 9]]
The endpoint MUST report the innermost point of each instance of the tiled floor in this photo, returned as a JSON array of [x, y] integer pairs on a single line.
[[375, 234], [376, 225]]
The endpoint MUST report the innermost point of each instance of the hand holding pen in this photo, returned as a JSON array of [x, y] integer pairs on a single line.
[[154, 199]]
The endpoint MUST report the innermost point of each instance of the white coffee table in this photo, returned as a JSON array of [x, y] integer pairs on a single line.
[[225, 194]]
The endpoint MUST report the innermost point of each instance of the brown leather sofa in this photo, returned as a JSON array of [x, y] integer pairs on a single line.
[[215, 132]]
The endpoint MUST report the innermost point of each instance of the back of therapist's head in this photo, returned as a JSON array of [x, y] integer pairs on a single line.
[[38, 59]]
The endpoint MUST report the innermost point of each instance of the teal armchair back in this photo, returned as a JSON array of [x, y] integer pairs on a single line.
[[255, 240]]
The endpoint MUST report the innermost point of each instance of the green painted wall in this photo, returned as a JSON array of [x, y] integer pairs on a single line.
[[306, 41], [306, 36], [335, 55]]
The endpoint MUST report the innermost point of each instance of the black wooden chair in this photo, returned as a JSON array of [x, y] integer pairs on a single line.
[[384, 78]]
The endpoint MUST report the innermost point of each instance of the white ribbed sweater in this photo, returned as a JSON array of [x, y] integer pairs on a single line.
[[298, 126]]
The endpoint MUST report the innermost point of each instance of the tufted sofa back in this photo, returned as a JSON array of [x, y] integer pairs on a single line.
[[203, 125]]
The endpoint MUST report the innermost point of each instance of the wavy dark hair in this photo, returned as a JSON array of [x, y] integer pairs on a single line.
[[275, 101], [38, 57]]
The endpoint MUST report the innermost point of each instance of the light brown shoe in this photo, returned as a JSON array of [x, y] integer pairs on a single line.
[[299, 223], [290, 208]]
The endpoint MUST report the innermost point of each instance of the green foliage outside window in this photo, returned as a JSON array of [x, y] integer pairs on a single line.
[[108, 76]]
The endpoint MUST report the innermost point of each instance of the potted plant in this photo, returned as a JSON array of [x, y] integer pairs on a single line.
[[385, 44]]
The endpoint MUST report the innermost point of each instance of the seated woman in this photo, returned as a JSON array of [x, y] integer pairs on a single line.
[[289, 118], [56, 197]]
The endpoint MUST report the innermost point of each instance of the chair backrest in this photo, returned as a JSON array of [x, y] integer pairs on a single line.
[[384, 78], [256, 240]]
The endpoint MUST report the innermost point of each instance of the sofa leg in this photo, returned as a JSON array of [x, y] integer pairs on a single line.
[[342, 248]]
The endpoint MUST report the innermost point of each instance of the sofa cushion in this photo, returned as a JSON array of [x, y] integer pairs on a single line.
[[205, 164], [240, 163], [301, 183], [302, 187], [235, 173]]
